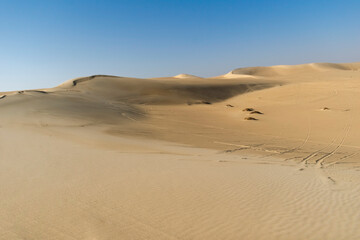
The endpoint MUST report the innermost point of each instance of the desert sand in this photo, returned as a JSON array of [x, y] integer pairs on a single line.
[[257, 153]]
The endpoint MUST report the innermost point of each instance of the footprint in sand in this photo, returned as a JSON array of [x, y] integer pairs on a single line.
[[199, 102], [256, 112], [251, 118], [206, 102]]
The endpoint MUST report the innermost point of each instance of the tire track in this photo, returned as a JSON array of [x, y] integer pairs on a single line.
[[319, 162], [298, 147], [313, 154]]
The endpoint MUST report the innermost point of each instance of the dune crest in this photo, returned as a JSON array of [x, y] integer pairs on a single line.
[[75, 81], [183, 75]]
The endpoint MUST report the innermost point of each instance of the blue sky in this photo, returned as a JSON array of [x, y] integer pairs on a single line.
[[45, 42]]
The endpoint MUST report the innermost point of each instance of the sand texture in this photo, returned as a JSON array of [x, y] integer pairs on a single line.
[[257, 153]]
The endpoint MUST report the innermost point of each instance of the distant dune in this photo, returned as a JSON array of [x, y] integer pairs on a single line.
[[186, 76], [282, 70], [258, 153]]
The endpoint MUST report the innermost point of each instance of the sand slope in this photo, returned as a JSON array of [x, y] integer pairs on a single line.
[[106, 157]]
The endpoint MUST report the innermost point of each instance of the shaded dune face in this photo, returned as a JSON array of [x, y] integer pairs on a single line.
[[150, 92], [104, 99], [57, 108]]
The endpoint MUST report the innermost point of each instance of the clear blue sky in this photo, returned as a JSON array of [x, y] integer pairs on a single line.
[[45, 42]]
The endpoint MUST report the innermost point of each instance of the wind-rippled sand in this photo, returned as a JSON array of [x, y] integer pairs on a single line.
[[174, 158]]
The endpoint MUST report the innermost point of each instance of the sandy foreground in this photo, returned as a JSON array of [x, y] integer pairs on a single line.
[[106, 157]]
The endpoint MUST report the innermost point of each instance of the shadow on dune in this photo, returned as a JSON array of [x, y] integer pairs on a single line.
[[150, 92], [65, 109], [209, 93], [113, 100]]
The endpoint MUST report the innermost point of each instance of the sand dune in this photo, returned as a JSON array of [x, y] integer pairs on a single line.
[[183, 75], [284, 70], [106, 157]]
